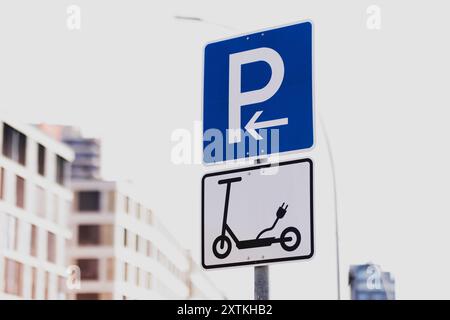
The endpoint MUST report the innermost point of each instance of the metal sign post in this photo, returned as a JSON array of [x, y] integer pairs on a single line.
[[262, 283], [261, 273]]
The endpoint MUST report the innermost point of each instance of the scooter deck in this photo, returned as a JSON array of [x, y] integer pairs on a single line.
[[255, 243]]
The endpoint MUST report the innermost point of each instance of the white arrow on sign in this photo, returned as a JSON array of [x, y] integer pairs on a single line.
[[238, 99], [252, 125]]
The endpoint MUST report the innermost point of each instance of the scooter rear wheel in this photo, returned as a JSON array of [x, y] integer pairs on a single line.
[[225, 251], [297, 237]]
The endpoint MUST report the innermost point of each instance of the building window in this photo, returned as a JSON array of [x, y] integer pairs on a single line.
[[106, 296], [62, 170], [88, 234], [13, 277], [33, 283], [110, 268], [34, 241], [14, 144], [20, 192], [107, 235], [125, 238], [137, 276], [149, 280], [11, 234], [126, 272], [88, 201], [61, 288], [2, 182], [51, 247], [47, 285], [136, 243], [127, 204], [111, 201], [41, 159], [88, 296], [95, 235], [40, 202], [89, 269]]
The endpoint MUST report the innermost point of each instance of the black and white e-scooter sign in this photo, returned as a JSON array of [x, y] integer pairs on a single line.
[[258, 215]]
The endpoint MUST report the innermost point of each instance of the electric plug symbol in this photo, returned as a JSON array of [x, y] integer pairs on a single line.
[[280, 214], [281, 211]]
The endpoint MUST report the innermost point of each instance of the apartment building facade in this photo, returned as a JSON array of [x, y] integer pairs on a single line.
[[35, 202], [123, 250], [86, 164], [119, 248]]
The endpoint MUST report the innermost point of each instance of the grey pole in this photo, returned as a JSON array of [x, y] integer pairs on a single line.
[[262, 283], [336, 220], [261, 272]]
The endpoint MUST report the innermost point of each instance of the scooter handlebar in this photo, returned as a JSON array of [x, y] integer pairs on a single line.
[[230, 180]]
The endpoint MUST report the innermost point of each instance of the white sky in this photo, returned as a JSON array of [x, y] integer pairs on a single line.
[[133, 74]]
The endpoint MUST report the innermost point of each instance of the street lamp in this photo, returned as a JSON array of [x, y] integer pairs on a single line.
[[188, 18], [198, 19]]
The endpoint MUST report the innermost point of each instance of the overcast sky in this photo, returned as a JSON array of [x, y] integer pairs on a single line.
[[132, 75]]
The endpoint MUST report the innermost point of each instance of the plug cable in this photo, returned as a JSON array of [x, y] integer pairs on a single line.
[[280, 214]]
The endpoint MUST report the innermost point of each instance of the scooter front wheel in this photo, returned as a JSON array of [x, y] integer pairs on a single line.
[[221, 247], [290, 245]]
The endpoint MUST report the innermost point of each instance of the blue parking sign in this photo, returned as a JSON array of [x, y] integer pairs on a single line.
[[258, 94]]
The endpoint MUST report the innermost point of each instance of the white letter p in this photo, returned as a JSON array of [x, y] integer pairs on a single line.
[[237, 99]]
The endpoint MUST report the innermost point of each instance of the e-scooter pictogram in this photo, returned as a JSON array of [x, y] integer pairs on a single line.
[[289, 239]]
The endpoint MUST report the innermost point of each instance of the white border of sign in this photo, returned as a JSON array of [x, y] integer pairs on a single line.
[[269, 261]]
